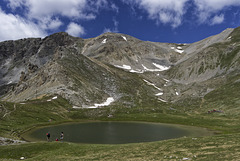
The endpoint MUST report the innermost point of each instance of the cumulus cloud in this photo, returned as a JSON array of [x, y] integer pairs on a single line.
[[39, 17], [13, 4], [15, 27], [75, 29], [44, 12], [217, 19], [80, 9], [215, 5], [171, 12], [48, 23], [166, 12], [208, 10]]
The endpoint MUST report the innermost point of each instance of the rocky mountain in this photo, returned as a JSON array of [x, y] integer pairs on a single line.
[[116, 69]]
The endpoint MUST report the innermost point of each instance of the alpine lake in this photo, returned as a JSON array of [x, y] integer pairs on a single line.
[[114, 132]]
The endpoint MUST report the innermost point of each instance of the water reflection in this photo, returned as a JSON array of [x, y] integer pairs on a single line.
[[114, 132]]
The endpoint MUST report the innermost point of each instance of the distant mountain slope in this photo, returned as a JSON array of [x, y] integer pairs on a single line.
[[116, 69]]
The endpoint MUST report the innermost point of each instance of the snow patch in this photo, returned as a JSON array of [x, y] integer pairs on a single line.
[[124, 67], [76, 107], [159, 94], [161, 67], [136, 71], [9, 82], [229, 37], [154, 70], [128, 67], [49, 100], [124, 38], [151, 84], [54, 98], [104, 41], [106, 103], [178, 50], [166, 80], [161, 100], [176, 92]]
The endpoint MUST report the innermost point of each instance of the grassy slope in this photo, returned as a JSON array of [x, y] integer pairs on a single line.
[[221, 147], [21, 117], [224, 146]]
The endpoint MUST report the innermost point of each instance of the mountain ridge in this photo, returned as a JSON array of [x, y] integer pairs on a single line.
[[89, 71]]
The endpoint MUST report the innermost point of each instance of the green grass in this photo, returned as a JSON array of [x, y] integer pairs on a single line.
[[192, 112], [220, 147], [31, 114]]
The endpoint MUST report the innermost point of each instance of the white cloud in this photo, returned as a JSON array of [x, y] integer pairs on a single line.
[[15, 27], [44, 12], [114, 7], [217, 19], [13, 4], [75, 29], [47, 23], [163, 11], [80, 9], [208, 10], [114, 29], [215, 5], [171, 12]]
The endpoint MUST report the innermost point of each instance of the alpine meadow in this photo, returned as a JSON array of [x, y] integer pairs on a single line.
[[115, 77]]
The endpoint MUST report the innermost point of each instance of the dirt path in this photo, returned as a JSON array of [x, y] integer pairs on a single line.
[[8, 113], [7, 141]]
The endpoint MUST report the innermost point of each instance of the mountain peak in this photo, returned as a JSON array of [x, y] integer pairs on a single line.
[[113, 37], [54, 65], [61, 38]]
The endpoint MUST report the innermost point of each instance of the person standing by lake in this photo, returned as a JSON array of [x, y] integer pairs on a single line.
[[48, 136], [61, 136]]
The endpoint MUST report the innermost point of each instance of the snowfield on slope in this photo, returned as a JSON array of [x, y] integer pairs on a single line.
[[124, 38], [104, 41], [178, 50], [96, 105]]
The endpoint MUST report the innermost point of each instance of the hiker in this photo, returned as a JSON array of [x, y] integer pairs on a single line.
[[57, 139], [61, 136], [48, 136]]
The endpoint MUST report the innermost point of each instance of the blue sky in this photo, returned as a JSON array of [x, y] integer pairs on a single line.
[[174, 21]]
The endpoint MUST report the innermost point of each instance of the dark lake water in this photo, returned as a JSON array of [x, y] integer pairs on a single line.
[[114, 132]]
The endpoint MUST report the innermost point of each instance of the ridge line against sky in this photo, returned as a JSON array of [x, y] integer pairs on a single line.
[[179, 21]]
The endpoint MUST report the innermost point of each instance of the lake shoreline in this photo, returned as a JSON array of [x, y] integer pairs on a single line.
[[195, 131]]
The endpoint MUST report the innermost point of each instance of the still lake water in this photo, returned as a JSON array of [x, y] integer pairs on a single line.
[[114, 132]]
